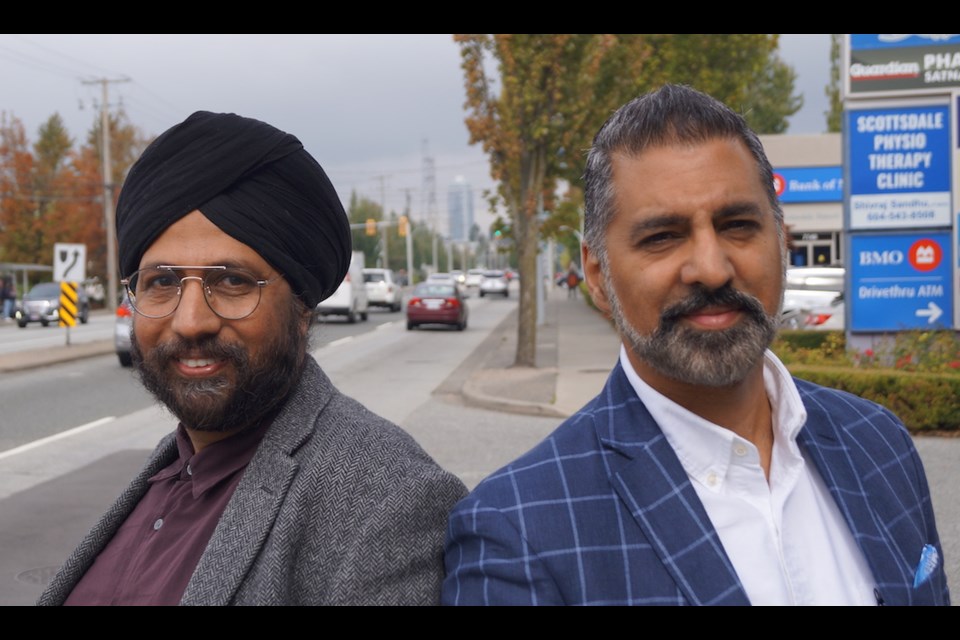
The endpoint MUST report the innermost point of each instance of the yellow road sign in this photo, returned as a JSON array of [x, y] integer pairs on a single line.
[[68, 304]]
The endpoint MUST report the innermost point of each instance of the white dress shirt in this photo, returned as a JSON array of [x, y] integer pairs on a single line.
[[787, 539]]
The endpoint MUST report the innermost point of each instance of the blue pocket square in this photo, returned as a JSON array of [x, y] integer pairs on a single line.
[[929, 559]]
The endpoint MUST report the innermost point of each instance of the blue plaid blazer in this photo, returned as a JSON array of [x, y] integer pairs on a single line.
[[602, 513]]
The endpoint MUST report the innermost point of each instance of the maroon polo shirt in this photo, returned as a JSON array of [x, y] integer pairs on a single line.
[[150, 559]]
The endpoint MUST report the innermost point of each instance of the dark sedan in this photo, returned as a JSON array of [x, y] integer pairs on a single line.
[[436, 303]]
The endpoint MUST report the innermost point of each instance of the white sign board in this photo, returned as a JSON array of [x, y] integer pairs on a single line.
[[69, 262]]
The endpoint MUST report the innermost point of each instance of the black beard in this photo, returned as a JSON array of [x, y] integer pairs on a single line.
[[708, 358], [216, 404]]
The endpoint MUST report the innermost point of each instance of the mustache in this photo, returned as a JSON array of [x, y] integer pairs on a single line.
[[701, 298], [208, 347]]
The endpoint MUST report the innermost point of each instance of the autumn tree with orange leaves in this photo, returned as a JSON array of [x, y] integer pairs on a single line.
[[52, 191], [536, 116]]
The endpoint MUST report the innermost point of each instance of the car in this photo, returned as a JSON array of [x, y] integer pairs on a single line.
[[437, 303], [829, 317], [122, 329], [350, 298], [809, 288], [474, 278], [42, 304], [383, 290], [442, 277], [494, 282], [460, 276]]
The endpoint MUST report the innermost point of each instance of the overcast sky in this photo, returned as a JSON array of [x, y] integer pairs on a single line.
[[367, 107]]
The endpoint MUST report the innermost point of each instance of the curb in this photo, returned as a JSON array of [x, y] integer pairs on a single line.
[[474, 396], [23, 360]]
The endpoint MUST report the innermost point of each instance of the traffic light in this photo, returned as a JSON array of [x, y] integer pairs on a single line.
[[402, 227], [371, 227]]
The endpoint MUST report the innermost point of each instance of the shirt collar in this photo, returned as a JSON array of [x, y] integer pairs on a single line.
[[216, 462], [704, 448]]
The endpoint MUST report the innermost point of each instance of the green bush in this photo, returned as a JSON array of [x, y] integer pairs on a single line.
[[923, 401]]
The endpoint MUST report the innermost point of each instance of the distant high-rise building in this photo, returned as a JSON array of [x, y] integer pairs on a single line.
[[460, 209]]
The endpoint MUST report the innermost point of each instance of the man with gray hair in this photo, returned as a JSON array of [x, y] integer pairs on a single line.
[[703, 473]]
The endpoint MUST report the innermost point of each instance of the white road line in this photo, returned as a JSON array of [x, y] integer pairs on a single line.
[[58, 436], [339, 341]]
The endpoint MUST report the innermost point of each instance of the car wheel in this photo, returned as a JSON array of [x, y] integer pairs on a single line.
[[363, 316], [45, 323], [125, 359], [395, 307], [506, 294], [22, 325], [411, 326], [84, 315], [481, 294], [351, 316], [461, 325]]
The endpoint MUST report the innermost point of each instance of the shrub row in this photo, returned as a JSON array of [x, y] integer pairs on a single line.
[[923, 401]]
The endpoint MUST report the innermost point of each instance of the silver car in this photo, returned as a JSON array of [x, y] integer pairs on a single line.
[[494, 282], [42, 304]]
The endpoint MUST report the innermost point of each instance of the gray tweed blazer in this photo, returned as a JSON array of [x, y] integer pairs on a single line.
[[337, 507]]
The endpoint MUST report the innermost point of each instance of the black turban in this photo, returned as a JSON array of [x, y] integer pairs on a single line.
[[255, 182]]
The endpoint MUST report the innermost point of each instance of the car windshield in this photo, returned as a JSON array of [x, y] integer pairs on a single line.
[[434, 291], [493, 274], [373, 277], [43, 291]]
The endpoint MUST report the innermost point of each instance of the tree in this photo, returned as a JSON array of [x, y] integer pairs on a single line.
[[835, 113], [772, 100], [19, 214], [552, 92]]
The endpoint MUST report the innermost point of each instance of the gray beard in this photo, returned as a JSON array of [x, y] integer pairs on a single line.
[[704, 358], [216, 404]]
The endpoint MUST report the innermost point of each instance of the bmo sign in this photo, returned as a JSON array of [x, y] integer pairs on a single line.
[[901, 282]]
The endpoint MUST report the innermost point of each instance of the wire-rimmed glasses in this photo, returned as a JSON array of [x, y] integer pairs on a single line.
[[231, 293]]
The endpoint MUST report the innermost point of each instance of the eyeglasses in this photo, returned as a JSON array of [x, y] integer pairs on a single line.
[[231, 293]]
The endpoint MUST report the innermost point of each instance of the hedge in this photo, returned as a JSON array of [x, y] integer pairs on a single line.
[[923, 401]]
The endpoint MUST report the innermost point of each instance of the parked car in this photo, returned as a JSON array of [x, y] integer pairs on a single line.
[[437, 303], [350, 298], [829, 317], [494, 282], [383, 290], [122, 329], [809, 288], [42, 304]]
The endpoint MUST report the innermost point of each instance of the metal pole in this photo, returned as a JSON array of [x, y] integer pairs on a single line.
[[108, 213]]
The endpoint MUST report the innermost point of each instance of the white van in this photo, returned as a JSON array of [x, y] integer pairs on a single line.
[[350, 298]]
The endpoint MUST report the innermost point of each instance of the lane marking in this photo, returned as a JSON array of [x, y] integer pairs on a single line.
[[57, 436], [339, 341]]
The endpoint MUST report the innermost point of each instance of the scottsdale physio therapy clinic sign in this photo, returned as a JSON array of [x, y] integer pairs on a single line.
[[899, 168]]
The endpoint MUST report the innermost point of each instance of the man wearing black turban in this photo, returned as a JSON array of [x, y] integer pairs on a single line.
[[275, 488]]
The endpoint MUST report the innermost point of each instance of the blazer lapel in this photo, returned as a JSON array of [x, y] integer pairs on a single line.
[[837, 464], [654, 486], [242, 531], [250, 516]]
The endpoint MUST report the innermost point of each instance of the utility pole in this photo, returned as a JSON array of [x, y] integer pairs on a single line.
[[384, 255], [409, 239], [108, 212]]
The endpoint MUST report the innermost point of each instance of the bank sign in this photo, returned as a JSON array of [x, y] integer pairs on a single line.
[[901, 282], [808, 184], [891, 63], [899, 162]]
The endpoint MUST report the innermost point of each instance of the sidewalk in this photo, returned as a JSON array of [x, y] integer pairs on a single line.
[[576, 349]]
